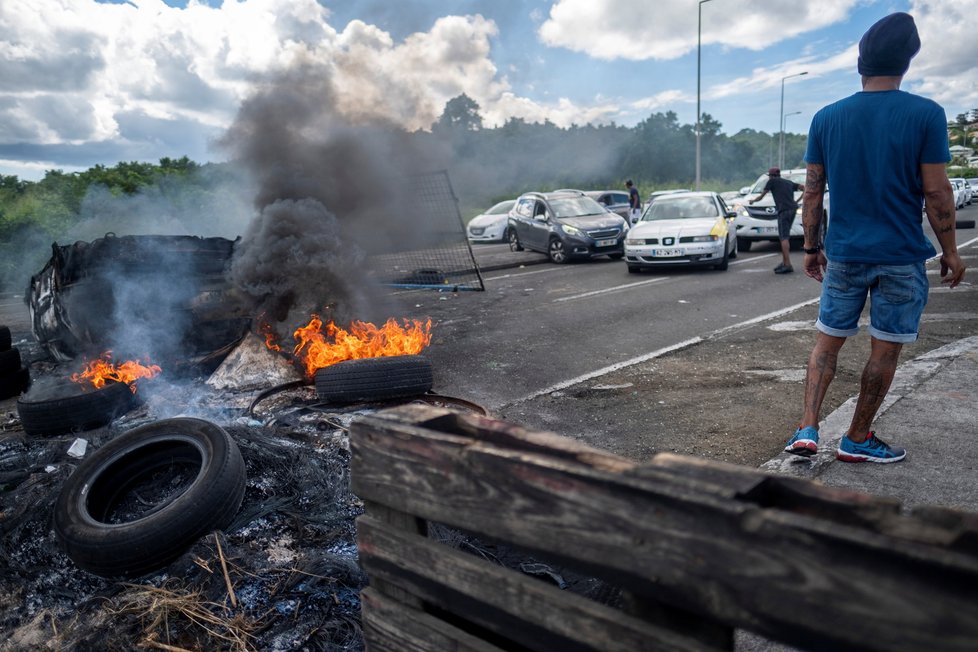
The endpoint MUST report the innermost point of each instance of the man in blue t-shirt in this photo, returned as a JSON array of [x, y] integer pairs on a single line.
[[881, 151]]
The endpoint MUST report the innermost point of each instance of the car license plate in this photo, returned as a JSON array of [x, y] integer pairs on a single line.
[[607, 243], [767, 229], [666, 253]]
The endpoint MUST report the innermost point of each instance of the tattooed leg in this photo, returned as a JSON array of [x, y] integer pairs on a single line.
[[821, 371], [877, 376]]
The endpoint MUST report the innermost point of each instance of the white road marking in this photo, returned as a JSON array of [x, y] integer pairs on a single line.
[[616, 288], [660, 352], [750, 260], [537, 271]]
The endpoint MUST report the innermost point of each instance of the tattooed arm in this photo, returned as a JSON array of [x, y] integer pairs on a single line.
[[940, 213], [812, 208]]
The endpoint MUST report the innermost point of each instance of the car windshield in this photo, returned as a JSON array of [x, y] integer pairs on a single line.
[[576, 207], [501, 207], [681, 208]]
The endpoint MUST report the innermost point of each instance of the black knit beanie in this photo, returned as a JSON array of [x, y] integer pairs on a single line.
[[887, 47]]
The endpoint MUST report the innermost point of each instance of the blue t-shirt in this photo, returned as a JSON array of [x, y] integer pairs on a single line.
[[872, 145]]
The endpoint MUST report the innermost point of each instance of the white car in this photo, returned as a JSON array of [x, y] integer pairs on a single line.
[[491, 225], [689, 228], [962, 192], [759, 222]]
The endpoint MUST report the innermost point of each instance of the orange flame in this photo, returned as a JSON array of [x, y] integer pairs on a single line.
[[270, 336], [320, 345], [98, 372]]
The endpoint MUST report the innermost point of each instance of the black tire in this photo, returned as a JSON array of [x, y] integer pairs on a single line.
[[725, 262], [964, 224], [634, 269], [15, 384], [743, 244], [4, 338], [616, 256], [9, 361], [69, 408], [557, 252], [374, 379], [514, 241], [101, 517], [505, 237], [734, 252]]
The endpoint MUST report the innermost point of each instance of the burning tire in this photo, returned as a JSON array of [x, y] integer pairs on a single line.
[[374, 379], [68, 408], [144, 498], [15, 383]]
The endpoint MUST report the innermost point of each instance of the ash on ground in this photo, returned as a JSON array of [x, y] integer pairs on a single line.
[[290, 553]]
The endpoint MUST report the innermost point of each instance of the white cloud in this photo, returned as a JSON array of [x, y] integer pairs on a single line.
[[946, 69], [637, 30]]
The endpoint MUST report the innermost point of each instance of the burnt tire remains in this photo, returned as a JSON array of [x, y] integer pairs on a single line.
[[143, 499], [9, 361], [72, 409], [374, 379], [14, 384]]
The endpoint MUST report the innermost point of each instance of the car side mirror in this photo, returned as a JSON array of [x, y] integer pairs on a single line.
[[731, 213], [745, 190]]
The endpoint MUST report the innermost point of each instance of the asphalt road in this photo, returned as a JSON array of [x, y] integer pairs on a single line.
[[544, 327]]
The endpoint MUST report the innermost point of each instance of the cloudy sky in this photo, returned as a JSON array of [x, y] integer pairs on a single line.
[[88, 81]]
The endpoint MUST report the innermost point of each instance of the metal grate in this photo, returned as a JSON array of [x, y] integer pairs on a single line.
[[438, 255]]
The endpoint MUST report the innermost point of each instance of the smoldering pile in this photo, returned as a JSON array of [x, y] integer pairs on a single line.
[[283, 576]]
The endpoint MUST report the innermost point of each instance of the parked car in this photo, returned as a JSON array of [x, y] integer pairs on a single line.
[[690, 228], [759, 222], [615, 201], [565, 225], [491, 226], [962, 192]]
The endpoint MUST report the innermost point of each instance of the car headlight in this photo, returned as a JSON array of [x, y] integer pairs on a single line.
[[632, 242], [743, 212], [705, 238], [571, 230]]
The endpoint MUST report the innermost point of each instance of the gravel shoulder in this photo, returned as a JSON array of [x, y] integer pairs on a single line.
[[735, 397]]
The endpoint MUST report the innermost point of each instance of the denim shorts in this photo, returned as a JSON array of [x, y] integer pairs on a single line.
[[785, 219], [898, 294]]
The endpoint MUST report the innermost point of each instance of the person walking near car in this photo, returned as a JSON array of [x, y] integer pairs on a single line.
[[634, 203], [783, 192], [886, 136]]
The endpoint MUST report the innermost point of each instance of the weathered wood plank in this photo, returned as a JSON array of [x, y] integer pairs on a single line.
[[389, 626], [677, 541], [519, 608], [407, 523]]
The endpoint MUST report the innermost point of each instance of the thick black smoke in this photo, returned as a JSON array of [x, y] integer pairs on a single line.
[[332, 187]]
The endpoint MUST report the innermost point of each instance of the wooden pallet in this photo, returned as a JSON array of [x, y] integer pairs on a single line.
[[698, 548]]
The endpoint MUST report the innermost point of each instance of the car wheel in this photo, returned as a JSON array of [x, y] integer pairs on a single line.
[[723, 264], [374, 379], [505, 236], [141, 500], [69, 408], [616, 256], [557, 251], [734, 251], [744, 244], [514, 241]]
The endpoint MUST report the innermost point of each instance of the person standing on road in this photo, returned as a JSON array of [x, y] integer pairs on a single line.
[[783, 192], [634, 203], [886, 136]]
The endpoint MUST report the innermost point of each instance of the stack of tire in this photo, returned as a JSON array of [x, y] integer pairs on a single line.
[[14, 376]]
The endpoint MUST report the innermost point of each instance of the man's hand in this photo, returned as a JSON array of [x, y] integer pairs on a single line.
[[951, 264], [815, 266]]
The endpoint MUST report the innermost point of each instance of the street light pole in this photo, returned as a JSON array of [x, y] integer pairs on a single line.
[[784, 128], [699, 40], [781, 145]]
